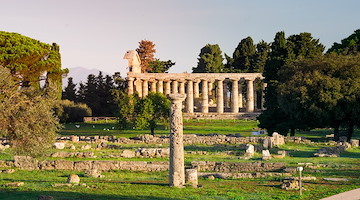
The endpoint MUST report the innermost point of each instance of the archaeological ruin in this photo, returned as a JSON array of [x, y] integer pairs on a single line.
[[219, 95]]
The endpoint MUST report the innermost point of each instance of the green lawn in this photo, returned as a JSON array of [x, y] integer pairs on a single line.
[[153, 185]]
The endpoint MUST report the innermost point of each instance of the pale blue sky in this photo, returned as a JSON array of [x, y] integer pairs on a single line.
[[96, 33]]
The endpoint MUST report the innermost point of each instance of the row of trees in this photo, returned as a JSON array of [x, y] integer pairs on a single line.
[[305, 88], [247, 57]]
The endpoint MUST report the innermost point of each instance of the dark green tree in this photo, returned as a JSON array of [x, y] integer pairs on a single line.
[[260, 57], [210, 60], [348, 45], [283, 51], [70, 91], [158, 66], [244, 56]]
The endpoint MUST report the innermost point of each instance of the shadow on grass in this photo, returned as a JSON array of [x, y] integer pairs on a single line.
[[34, 195]]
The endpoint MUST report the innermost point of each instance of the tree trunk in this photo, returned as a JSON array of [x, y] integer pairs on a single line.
[[350, 131], [336, 132], [152, 131], [292, 132]]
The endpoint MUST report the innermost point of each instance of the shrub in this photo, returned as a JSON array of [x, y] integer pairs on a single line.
[[69, 111]]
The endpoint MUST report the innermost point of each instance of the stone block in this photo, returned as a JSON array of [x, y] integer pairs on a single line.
[[354, 143], [59, 145], [250, 150], [82, 165], [64, 165], [266, 155], [26, 162], [74, 179]]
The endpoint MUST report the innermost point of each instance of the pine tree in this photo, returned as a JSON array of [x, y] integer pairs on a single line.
[[70, 91], [146, 51], [210, 60], [244, 55]]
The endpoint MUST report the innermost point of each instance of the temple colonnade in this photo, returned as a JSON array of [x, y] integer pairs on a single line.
[[205, 92]]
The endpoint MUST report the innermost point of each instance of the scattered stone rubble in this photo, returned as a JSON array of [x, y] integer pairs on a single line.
[[334, 151]]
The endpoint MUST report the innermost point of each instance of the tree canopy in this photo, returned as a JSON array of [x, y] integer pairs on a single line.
[[28, 59], [26, 116], [348, 45], [210, 60]]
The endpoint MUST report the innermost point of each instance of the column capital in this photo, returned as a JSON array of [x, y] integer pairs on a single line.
[[177, 97], [130, 78], [250, 78]]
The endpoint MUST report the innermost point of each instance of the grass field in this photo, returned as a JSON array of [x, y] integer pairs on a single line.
[[154, 185]]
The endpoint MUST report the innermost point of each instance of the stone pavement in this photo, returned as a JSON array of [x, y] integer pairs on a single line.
[[349, 195]]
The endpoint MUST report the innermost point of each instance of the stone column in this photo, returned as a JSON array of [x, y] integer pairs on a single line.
[[263, 96], [196, 93], [138, 87], [145, 88], [235, 96], [130, 85], [176, 167], [182, 86], [167, 87], [160, 86], [205, 97], [175, 87], [196, 88], [153, 86], [191, 177], [250, 95], [210, 87], [220, 97], [189, 97], [240, 95]]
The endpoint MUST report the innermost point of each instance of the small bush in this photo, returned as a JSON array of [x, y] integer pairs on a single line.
[[69, 111]]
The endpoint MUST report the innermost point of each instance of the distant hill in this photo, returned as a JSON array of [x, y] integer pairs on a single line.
[[80, 74]]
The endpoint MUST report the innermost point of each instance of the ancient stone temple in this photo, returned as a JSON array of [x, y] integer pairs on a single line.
[[215, 94]]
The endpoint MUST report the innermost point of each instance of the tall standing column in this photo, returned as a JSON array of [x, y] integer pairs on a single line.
[[235, 96], [175, 87], [153, 86], [138, 87], [240, 95], [145, 88], [130, 85], [205, 97], [196, 93], [220, 97], [250, 95], [182, 86], [189, 97], [176, 167], [167, 87], [210, 88], [160, 86], [263, 96], [196, 88]]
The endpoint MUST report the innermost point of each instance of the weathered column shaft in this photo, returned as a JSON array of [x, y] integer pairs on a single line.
[[176, 167], [205, 97], [220, 97], [196, 89], [167, 87], [175, 87], [138, 87], [250, 96], [153, 86], [210, 87], [182, 87], [189, 97], [145, 88], [240, 96], [160, 86], [235, 96], [130, 85]]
